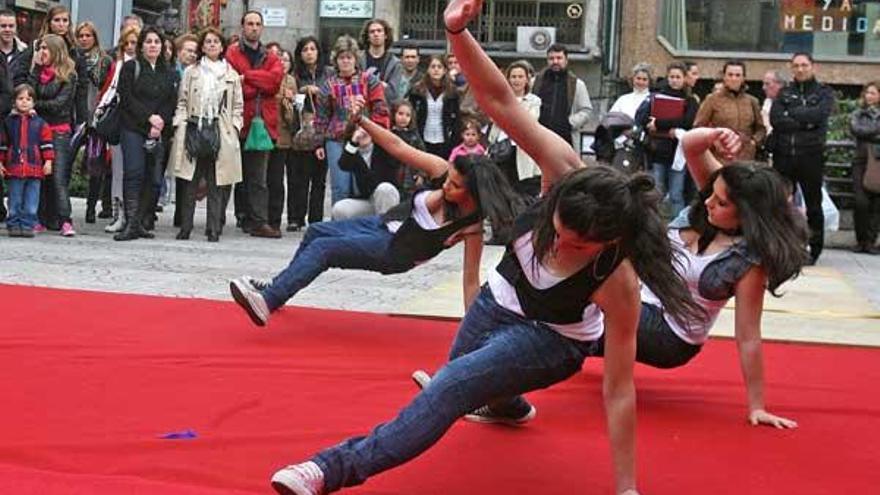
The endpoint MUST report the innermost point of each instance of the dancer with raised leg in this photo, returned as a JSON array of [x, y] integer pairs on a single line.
[[577, 254], [740, 237], [437, 217]]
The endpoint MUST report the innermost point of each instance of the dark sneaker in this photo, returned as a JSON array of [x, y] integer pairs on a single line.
[[299, 479], [485, 415], [259, 284], [250, 300], [14, 231]]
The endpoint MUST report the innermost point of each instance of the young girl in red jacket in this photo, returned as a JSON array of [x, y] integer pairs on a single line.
[[26, 155]]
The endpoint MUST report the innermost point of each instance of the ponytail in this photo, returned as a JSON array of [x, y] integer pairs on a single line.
[[647, 243]]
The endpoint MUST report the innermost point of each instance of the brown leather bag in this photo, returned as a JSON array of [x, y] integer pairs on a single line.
[[871, 180]]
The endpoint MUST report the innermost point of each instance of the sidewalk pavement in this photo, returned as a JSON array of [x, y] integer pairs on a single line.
[[837, 301]]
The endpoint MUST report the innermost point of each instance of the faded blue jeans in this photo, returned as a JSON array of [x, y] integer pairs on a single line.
[[24, 199], [359, 244], [670, 183], [341, 182], [497, 355]]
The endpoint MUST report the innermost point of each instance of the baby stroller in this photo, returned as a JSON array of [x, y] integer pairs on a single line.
[[617, 143]]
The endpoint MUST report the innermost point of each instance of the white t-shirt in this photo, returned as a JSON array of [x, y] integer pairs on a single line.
[[420, 213], [693, 266]]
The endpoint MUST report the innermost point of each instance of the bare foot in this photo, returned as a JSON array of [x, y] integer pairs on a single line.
[[460, 12]]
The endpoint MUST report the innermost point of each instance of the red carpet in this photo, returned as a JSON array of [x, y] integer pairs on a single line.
[[90, 381]]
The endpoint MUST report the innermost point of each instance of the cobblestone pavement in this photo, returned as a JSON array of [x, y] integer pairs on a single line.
[[196, 268]]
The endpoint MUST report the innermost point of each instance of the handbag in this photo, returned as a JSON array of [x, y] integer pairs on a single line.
[[871, 180], [501, 150], [306, 138], [202, 139], [107, 121], [258, 138]]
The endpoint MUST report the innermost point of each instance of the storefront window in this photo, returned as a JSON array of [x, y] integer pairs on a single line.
[[832, 28]]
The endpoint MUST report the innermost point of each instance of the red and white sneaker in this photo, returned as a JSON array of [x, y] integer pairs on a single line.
[[299, 479]]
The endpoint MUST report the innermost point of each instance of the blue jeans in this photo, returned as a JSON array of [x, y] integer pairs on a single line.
[[496, 356], [24, 199], [670, 182], [360, 244], [341, 182], [657, 344], [62, 167]]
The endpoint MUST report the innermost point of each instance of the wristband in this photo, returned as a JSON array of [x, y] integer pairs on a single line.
[[456, 32]]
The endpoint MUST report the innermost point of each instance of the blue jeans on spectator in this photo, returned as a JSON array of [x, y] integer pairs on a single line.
[[341, 182], [134, 162], [360, 244], [24, 199], [670, 183], [497, 355], [62, 167]]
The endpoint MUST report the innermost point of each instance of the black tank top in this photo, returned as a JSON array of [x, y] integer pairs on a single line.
[[564, 302], [412, 243]]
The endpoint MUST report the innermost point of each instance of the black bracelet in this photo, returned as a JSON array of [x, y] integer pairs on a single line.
[[456, 32]]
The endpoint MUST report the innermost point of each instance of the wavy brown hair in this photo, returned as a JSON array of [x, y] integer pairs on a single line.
[[774, 232]]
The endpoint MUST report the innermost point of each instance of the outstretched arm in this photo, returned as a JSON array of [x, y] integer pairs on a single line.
[[747, 323], [697, 145], [493, 94], [432, 165], [619, 299]]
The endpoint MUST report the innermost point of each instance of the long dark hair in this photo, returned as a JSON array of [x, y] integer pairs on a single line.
[[424, 85], [773, 231], [604, 205], [299, 67], [142, 38], [485, 182]]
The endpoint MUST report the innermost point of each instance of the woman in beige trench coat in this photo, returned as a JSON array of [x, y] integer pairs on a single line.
[[210, 89]]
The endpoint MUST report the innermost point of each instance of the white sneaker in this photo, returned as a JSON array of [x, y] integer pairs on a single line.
[[299, 479], [421, 378], [117, 225], [485, 415], [251, 300]]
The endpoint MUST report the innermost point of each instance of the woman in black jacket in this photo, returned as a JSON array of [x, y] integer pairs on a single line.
[[147, 99], [54, 79], [865, 127], [670, 108], [436, 104], [309, 179]]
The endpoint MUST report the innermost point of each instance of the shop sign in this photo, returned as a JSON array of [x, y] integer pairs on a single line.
[[357, 9], [826, 16], [274, 16]]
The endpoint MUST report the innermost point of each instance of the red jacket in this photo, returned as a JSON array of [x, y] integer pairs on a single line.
[[25, 145], [261, 80]]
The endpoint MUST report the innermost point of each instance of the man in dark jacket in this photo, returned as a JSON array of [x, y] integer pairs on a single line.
[[799, 118], [376, 177], [565, 102], [12, 71]]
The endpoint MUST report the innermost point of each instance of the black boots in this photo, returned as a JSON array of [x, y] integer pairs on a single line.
[[136, 210]]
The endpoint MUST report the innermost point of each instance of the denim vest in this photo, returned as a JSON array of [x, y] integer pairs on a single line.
[[719, 278]]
